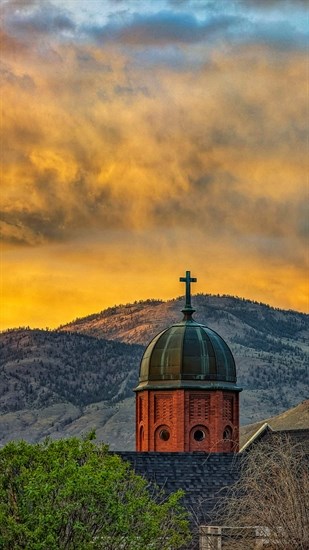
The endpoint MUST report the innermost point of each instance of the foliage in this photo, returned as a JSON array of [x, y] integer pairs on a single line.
[[75, 494], [271, 494]]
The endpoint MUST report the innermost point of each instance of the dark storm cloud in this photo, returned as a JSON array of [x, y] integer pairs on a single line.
[[178, 28], [131, 91], [204, 212], [31, 228], [36, 18], [262, 220], [163, 27], [88, 62], [198, 207], [56, 219], [37, 21]]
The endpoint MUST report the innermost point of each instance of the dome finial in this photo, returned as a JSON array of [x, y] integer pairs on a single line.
[[188, 309]]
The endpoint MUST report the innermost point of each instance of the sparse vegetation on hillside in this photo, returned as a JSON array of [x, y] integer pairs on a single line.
[[269, 344], [90, 362], [211, 309], [39, 368]]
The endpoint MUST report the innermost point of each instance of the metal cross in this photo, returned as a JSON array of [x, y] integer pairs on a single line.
[[188, 280]]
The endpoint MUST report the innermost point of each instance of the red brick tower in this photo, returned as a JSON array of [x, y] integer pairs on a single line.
[[187, 398]]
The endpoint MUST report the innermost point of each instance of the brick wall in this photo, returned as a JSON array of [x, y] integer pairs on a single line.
[[187, 420]]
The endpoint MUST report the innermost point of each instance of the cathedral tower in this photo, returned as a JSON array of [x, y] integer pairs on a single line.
[[187, 398]]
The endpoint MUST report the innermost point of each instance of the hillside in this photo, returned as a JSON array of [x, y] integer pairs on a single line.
[[81, 377], [48, 379], [236, 319], [270, 345]]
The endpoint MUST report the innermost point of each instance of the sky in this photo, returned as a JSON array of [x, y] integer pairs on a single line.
[[141, 139]]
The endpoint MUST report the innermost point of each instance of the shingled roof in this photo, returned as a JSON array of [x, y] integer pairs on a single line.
[[296, 437], [204, 477], [266, 433]]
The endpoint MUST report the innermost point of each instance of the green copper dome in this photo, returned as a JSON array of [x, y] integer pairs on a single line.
[[187, 355]]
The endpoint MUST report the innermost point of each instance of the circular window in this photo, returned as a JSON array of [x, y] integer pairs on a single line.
[[165, 435], [199, 435]]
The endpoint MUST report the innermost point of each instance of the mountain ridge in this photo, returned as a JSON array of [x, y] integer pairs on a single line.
[[81, 376], [155, 315]]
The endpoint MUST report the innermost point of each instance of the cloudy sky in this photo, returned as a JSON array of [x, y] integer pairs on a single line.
[[143, 138]]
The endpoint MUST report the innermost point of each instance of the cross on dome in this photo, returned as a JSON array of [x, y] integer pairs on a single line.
[[188, 280]]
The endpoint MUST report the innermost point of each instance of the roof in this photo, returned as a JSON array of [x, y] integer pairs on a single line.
[[187, 354], [296, 418], [203, 476], [254, 436], [266, 433], [296, 437]]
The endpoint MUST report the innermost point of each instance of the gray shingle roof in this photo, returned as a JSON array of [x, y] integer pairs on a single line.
[[204, 477]]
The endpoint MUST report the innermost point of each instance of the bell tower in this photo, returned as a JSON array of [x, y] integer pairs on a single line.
[[187, 398]]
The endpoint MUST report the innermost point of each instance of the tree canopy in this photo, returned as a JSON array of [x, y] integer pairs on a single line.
[[73, 493]]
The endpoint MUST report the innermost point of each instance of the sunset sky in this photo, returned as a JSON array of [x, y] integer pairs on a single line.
[[144, 138]]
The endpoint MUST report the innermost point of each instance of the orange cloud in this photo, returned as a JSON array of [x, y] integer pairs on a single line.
[[117, 176]]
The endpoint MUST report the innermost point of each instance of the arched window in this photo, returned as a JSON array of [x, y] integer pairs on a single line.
[[227, 434]]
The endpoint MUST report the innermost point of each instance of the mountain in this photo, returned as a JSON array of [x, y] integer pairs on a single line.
[[236, 319], [50, 380], [81, 376], [270, 345]]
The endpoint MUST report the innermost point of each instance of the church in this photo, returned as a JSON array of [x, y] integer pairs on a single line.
[[187, 418]]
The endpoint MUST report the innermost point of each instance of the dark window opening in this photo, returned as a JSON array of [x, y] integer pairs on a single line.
[[164, 435], [199, 435], [227, 434]]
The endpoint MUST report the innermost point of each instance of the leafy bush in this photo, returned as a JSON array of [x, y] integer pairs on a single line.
[[74, 494]]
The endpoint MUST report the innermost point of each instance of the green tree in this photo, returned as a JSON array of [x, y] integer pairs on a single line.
[[73, 493]]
